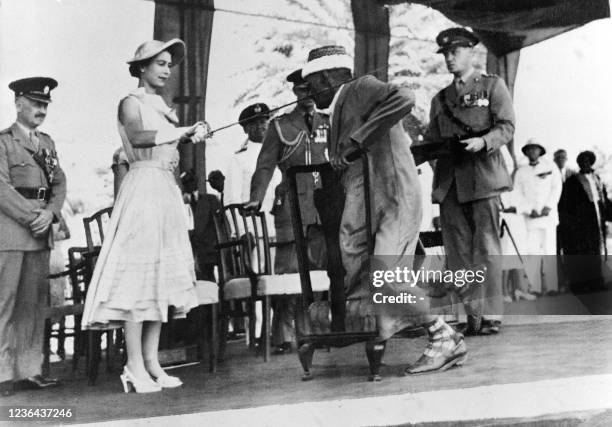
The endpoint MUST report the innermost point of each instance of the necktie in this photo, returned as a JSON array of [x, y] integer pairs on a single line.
[[309, 120], [459, 85], [35, 140]]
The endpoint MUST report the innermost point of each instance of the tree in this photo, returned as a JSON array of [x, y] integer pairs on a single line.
[[284, 47]]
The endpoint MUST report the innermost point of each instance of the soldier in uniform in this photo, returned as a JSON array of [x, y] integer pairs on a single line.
[[296, 138], [254, 120], [475, 109], [32, 192]]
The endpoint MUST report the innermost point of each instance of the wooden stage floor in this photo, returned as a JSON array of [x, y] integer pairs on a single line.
[[575, 352]]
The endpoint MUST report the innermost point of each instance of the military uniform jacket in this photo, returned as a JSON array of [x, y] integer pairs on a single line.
[[482, 103], [19, 169], [288, 142]]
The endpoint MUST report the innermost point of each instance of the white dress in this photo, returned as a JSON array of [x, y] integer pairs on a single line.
[[146, 262]]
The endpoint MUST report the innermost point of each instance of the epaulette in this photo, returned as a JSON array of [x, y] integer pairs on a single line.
[[280, 116], [43, 133], [490, 76]]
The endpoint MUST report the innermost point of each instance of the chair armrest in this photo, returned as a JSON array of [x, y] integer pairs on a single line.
[[281, 243], [92, 254], [226, 245], [73, 270], [63, 310]]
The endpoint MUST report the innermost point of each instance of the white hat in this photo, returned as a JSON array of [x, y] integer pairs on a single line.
[[532, 142], [149, 49], [327, 58]]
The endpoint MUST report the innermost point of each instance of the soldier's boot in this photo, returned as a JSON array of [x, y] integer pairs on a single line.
[[473, 304]]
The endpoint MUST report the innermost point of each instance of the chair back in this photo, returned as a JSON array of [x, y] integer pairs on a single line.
[[332, 198], [80, 273], [257, 241], [95, 226], [231, 250], [251, 229]]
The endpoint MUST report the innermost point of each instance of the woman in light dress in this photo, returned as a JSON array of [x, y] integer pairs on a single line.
[[146, 263]]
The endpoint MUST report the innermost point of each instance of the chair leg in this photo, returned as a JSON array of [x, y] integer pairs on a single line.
[[305, 353], [199, 317], [76, 342], [93, 356], [252, 313], [375, 352], [110, 345], [266, 328], [61, 338], [118, 346], [82, 339], [47, 348], [222, 329], [214, 338]]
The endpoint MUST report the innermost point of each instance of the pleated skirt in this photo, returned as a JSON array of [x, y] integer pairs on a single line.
[[146, 262]]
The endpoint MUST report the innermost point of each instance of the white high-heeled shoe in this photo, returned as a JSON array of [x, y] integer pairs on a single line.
[[127, 379], [167, 381]]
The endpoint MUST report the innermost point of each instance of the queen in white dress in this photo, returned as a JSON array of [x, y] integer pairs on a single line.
[[146, 263]]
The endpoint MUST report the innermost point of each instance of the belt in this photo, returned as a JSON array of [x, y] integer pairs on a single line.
[[157, 164], [42, 193]]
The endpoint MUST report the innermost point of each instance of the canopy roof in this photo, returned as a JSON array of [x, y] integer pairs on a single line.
[[509, 25]]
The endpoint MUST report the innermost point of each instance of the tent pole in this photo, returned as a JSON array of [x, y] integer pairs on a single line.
[[192, 21]]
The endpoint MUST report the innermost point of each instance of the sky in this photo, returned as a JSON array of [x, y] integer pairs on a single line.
[[562, 94]]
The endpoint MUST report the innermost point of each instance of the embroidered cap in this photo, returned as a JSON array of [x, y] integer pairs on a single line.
[[327, 58], [36, 88]]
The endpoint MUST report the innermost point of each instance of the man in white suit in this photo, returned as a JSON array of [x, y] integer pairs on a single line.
[[538, 189]]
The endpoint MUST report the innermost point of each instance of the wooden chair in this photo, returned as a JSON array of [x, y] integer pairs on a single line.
[[342, 330], [232, 272], [207, 294], [208, 299], [100, 219], [262, 285], [95, 227], [78, 273]]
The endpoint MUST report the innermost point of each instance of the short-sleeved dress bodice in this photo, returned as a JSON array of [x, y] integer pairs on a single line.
[[146, 262]]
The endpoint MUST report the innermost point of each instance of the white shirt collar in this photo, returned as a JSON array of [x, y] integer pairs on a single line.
[[26, 130], [465, 78]]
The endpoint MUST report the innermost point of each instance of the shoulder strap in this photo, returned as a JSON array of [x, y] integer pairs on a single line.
[[42, 164], [464, 126]]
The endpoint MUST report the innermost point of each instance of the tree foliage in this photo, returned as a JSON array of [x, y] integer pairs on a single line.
[[412, 61]]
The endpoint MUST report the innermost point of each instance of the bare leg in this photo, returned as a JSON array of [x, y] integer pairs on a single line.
[[150, 347], [133, 343]]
